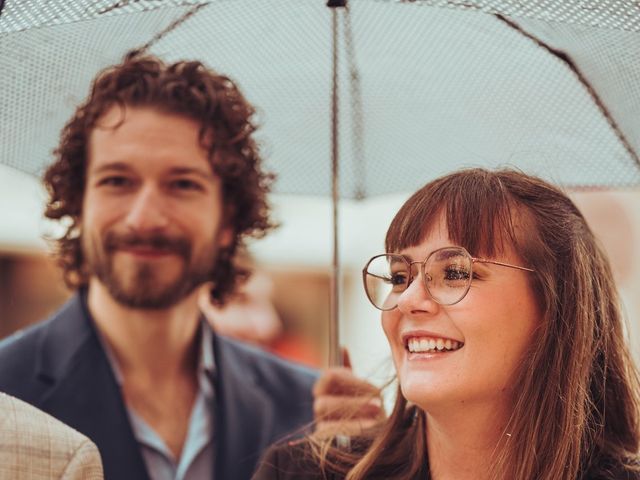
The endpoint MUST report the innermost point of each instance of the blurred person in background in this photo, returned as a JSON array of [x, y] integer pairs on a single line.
[[158, 181], [508, 342], [250, 315]]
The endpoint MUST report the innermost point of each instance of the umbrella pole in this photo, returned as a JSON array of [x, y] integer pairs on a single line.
[[335, 357]]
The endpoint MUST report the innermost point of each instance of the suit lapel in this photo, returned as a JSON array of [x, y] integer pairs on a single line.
[[243, 415], [84, 393]]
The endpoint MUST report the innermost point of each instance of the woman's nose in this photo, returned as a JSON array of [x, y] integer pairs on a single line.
[[416, 298]]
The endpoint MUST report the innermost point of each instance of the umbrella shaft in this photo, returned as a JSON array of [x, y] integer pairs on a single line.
[[334, 325]]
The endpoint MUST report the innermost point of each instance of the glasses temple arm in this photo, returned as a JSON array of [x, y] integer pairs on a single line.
[[375, 276], [482, 260]]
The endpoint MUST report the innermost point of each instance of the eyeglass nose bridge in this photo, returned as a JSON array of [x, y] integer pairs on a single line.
[[421, 269]]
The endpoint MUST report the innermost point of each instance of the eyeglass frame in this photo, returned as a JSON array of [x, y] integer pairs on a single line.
[[423, 264]]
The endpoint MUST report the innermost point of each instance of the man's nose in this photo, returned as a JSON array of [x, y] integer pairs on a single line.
[[147, 211]]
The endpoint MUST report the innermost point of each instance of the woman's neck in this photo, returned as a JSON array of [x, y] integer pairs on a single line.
[[462, 444]]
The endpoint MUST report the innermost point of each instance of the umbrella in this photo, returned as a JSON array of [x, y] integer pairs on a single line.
[[552, 87]]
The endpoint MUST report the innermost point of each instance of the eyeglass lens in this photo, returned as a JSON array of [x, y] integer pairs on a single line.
[[447, 277]]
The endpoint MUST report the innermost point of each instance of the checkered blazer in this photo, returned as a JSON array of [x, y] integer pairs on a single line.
[[36, 446]]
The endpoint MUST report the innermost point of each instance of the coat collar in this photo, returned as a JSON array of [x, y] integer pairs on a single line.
[[66, 333], [83, 391], [244, 414], [85, 394]]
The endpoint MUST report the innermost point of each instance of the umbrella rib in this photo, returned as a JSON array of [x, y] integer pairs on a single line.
[[568, 61], [115, 6], [172, 26], [357, 117]]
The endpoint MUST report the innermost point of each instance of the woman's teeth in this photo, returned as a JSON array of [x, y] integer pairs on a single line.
[[430, 345]]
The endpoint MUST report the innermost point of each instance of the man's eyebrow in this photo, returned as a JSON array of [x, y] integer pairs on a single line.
[[125, 167], [205, 174], [113, 166]]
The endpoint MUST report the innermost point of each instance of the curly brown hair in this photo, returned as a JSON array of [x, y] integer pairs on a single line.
[[185, 88]]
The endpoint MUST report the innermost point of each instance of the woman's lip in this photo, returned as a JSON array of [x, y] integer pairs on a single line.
[[428, 355]]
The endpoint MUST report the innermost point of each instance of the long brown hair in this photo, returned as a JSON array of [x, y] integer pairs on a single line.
[[184, 88], [576, 412]]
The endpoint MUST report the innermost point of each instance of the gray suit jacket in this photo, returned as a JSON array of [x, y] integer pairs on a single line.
[[36, 446], [60, 367]]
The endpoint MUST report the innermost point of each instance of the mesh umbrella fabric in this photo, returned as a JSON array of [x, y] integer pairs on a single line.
[[441, 88], [29, 14], [46, 74], [613, 71]]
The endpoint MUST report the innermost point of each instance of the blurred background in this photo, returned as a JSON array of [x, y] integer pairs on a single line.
[[296, 261]]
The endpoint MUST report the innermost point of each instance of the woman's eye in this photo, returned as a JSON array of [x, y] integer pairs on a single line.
[[456, 273], [399, 278]]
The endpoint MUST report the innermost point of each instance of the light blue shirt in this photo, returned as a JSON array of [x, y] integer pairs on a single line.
[[196, 459]]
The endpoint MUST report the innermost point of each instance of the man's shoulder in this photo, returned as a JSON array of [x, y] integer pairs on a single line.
[[27, 337], [263, 363], [45, 346], [23, 339], [287, 385], [18, 357], [33, 444]]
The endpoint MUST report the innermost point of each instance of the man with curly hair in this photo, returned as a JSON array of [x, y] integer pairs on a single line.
[[158, 181]]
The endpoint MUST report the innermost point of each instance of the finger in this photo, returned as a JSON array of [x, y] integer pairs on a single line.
[[330, 407], [346, 360], [342, 381]]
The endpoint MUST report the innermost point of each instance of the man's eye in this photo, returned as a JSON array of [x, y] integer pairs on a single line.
[[116, 181], [185, 184]]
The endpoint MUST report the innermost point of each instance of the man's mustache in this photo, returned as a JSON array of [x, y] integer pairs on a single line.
[[160, 242]]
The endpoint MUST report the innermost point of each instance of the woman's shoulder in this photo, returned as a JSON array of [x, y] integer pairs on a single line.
[[288, 461], [615, 470], [299, 459]]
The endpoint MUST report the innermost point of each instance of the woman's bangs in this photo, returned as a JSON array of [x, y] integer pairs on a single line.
[[479, 213], [484, 226]]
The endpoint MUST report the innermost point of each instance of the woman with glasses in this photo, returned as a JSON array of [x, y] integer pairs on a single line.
[[507, 339]]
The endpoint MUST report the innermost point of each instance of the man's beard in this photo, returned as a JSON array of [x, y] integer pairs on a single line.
[[141, 286]]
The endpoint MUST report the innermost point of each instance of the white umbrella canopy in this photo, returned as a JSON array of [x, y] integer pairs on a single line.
[[437, 88], [551, 87]]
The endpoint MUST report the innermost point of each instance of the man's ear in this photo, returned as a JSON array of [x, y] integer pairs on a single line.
[[227, 232], [226, 237]]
